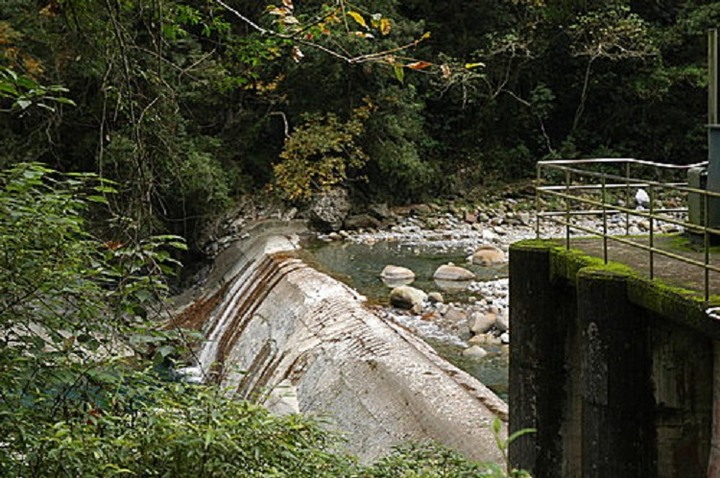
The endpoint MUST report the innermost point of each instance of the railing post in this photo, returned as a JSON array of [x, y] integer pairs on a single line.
[[627, 198], [604, 220], [537, 200], [652, 230], [706, 245], [567, 209]]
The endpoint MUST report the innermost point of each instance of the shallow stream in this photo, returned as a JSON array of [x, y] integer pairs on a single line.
[[359, 266]]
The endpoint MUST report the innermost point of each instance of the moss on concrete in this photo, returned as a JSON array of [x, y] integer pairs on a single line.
[[682, 305]]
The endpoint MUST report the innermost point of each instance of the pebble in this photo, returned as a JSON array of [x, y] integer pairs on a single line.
[[474, 351]]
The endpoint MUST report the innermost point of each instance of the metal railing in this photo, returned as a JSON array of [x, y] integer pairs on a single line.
[[606, 188]]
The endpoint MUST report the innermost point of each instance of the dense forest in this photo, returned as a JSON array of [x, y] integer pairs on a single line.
[[126, 126], [186, 104]]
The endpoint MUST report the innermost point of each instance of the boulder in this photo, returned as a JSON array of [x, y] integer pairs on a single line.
[[481, 323], [420, 210], [455, 315], [488, 235], [406, 297], [381, 212], [474, 351], [484, 339], [450, 272], [362, 221], [329, 210], [391, 272], [487, 256], [502, 322]]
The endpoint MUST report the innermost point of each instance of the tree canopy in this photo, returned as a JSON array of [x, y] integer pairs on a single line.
[[187, 103]]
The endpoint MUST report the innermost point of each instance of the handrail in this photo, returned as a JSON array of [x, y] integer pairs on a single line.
[[577, 194], [621, 161]]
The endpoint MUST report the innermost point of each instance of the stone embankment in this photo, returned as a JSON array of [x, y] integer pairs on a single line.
[[290, 337]]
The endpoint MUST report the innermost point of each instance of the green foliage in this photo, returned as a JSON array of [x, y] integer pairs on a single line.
[[186, 103], [397, 144], [70, 305], [155, 429], [78, 399], [24, 92], [320, 154]]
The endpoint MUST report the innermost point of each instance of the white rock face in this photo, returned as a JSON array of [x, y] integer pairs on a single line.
[[453, 273], [310, 344]]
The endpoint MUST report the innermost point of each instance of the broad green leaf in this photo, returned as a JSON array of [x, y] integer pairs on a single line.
[[97, 199], [8, 88], [399, 73]]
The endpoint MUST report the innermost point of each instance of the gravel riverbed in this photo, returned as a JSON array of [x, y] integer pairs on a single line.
[[481, 318]]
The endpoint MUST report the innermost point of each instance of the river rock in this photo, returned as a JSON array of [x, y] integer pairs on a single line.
[[397, 273], [381, 211], [329, 209], [406, 297], [668, 228], [481, 323], [362, 221], [489, 235], [436, 298], [450, 272], [502, 321], [487, 255], [474, 351], [421, 209], [455, 315]]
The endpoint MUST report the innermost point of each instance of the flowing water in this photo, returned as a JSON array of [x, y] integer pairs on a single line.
[[359, 265]]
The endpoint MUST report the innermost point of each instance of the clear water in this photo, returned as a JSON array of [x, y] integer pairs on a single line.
[[360, 265]]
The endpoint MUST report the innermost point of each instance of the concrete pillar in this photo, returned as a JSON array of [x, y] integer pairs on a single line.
[[537, 357], [618, 432], [714, 461]]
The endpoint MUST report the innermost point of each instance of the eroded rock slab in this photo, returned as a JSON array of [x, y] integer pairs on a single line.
[[291, 337]]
